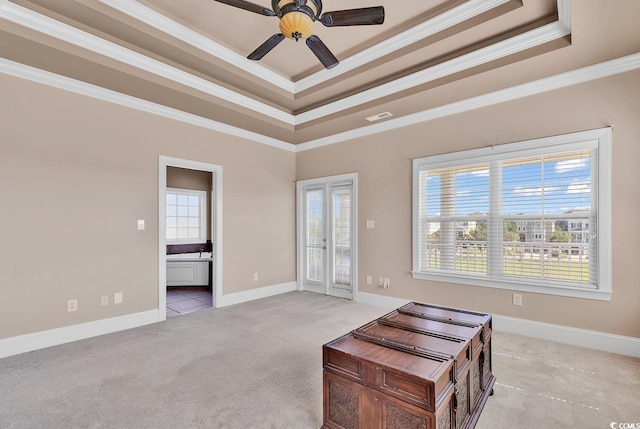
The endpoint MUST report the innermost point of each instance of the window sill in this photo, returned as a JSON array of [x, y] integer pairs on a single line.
[[573, 292], [191, 241]]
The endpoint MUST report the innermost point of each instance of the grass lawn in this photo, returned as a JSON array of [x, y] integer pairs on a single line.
[[551, 268]]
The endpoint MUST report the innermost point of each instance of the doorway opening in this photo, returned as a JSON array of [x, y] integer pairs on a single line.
[[189, 235], [327, 235]]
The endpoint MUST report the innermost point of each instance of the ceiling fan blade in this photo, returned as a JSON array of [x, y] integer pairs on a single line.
[[252, 7], [363, 16], [267, 46], [321, 51]]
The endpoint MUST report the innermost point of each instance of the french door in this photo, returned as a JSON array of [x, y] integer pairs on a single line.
[[327, 235]]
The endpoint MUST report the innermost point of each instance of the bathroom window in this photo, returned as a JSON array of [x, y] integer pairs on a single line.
[[186, 221]]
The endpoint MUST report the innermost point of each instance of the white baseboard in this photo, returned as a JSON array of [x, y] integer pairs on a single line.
[[389, 302], [252, 294], [619, 344], [612, 343], [53, 337]]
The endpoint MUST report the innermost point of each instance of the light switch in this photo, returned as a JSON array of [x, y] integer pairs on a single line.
[[369, 224], [140, 224]]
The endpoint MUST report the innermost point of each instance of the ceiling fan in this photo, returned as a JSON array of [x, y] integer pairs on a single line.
[[297, 18]]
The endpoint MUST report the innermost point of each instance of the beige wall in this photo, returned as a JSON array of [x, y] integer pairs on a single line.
[[75, 175], [383, 163]]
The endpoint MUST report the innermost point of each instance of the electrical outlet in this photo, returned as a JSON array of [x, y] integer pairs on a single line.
[[517, 299], [104, 300], [380, 281], [255, 277], [369, 280], [386, 284], [117, 298], [72, 305]]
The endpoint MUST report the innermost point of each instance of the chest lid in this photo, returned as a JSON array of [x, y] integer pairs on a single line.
[[413, 340], [453, 316]]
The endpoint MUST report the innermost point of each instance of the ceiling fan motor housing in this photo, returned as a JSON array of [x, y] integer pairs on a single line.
[[297, 17]]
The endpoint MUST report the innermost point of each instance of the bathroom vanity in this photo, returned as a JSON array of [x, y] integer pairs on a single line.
[[189, 265]]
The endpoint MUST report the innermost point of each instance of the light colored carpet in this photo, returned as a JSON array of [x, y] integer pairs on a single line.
[[259, 365]]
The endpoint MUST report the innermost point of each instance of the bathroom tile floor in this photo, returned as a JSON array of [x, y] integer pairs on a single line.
[[187, 299]]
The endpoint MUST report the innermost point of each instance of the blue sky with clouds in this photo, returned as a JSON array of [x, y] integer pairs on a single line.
[[549, 187]]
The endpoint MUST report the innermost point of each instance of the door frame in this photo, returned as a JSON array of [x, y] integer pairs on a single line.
[[300, 203], [216, 224]]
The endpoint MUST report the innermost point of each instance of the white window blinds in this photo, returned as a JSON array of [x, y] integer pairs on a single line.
[[520, 214]]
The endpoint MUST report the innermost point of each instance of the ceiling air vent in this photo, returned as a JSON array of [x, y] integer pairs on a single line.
[[379, 116]]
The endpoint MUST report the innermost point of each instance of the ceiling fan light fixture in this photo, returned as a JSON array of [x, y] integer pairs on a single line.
[[310, 7], [297, 19], [296, 25]]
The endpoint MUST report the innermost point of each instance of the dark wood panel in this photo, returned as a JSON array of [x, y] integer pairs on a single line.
[[421, 366]]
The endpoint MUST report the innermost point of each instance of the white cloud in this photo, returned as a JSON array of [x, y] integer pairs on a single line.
[[571, 164], [579, 187], [477, 173], [481, 173], [531, 192]]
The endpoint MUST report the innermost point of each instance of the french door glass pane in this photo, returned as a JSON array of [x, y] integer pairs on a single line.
[[315, 235], [342, 236]]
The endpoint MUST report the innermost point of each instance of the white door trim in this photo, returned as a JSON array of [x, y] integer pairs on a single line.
[[300, 185], [216, 223]]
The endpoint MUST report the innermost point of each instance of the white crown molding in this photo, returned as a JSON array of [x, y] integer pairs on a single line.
[[564, 12], [415, 34], [585, 74], [597, 71], [62, 82], [31, 19], [183, 33], [498, 50], [432, 26], [43, 24]]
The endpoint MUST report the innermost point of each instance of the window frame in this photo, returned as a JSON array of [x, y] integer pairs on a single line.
[[599, 139], [202, 220]]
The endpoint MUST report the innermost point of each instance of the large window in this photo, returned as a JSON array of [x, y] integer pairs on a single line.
[[530, 216], [186, 222]]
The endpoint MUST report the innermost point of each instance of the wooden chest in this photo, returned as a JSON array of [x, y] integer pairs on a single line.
[[419, 367]]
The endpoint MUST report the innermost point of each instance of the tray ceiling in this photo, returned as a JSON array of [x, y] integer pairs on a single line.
[[190, 55]]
